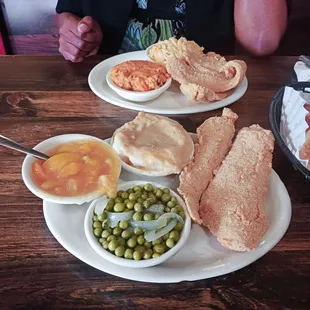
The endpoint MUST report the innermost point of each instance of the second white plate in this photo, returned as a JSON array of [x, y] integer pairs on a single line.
[[201, 257], [171, 101]]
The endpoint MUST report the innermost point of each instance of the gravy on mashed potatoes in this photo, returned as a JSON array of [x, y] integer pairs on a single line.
[[154, 143]]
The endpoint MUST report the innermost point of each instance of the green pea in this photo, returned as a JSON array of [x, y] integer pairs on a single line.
[[140, 200], [109, 206], [182, 214], [170, 204], [95, 218], [138, 231], [97, 224], [159, 248], [128, 253], [131, 242], [147, 245], [126, 210], [133, 197], [147, 254], [148, 217], [130, 205], [140, 240], [138, 207], [117, 231], [174, 235], [174, 210], [125, 196], [156, 216], [158, 193], [165, 197], [180, 208], [130, 191], [134, 237], [121, 241], [144, 196], [112, 245], [167, 210], [165, 237], [126, 201], [101, 240], [138, 194], [123, 224], [166, 190], [137, 216], [126, 234], [152, 195], [97, 232], [174, 199], [157, 241], [102, 217], [105, 244], [155, 255], [111, 237], [119, 193], [119, 207], [137, 188], [105, 234], [137, 255], [139, 248], [179, 226], [152, 200], [146, 204], [170, 243], [148, 187], [111, 201], [118, 199], [119, 251]]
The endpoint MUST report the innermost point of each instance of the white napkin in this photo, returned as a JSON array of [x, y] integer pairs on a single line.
[[293, 124]]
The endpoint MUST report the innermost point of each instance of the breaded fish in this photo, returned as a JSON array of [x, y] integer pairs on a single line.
[[232, 207], [214, 140]]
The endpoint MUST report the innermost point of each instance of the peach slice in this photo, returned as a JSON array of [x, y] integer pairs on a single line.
[[59, 161], [70, 169], [50, 184]]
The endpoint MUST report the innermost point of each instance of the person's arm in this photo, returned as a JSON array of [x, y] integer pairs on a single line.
[[260, 25], [78, 37]]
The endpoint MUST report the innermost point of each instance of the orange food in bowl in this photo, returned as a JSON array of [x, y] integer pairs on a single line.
[[139, 75], [78, 168]]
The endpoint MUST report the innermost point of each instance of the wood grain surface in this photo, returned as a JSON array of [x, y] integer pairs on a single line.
[[45, 96]]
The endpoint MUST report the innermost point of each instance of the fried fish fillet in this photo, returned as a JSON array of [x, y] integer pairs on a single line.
[[232, 207], [214, 140]]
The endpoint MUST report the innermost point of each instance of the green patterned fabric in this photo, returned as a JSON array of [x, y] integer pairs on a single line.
[[143, 31]]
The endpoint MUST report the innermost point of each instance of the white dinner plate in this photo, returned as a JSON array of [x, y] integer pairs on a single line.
[[201, 257], [172, 101]]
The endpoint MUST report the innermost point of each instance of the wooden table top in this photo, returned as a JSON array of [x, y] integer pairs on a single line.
[[42, 97]]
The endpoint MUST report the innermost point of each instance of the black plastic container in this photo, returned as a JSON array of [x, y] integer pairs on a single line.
[[275, 119]]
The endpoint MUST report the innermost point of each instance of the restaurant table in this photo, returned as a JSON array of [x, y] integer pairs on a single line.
[[45, 96]]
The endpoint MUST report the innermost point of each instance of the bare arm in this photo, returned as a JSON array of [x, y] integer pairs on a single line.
[[260, 25]]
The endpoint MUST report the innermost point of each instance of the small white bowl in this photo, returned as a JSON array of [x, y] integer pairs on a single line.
[[136, 95], [44, 147], [93, 241]]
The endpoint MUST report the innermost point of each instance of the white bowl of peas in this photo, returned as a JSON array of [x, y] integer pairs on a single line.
[[145, 225]]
